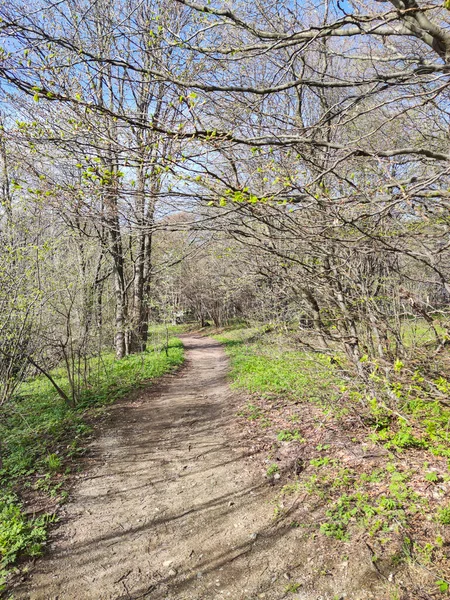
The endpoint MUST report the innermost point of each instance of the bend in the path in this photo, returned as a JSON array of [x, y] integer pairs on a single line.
[[174, 508]]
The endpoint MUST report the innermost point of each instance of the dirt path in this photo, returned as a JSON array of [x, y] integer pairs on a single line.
[[174, 509]]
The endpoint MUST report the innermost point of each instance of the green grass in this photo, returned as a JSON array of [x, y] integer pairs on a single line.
[[264, 364], [41, 435], [417, 332]]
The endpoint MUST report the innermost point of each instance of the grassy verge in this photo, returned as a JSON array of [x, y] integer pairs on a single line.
[[42, 437], [380, 473], [266, 364]]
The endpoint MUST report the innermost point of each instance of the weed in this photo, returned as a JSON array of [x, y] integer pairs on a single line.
[[290, 488], [287, 435], [320, 462], [443, 515], [374, 477], [53, 462], [424, 553], [443, 585], [251, 412], [432, 476], [278, 512], [18, 534], [334, 530], [272, 469], [342, 478]]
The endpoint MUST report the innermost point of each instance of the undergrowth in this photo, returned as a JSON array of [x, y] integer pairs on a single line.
[[402, 502]]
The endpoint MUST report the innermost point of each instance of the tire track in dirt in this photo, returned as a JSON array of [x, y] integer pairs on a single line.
[[175, 510]]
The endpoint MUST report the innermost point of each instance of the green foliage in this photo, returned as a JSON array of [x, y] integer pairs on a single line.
[[398, 365], [374, 477], [290, 488], [425, 423], [288, 435], [382, 513], [443, 515], [251, 412], [405, 439], [53, 462], [443, 585], [19, 535], [432, 476], [334, 530], [272, 469], [320, 462]]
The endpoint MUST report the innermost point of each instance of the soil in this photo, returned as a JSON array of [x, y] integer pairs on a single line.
[[177, 506]]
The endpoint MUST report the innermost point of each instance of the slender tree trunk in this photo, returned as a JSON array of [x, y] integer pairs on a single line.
[[116, 251], [119, 292], [137, 342], [147, 273]]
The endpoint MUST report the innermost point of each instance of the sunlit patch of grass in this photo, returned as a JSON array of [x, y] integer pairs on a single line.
[[264, 365], [417, 332]]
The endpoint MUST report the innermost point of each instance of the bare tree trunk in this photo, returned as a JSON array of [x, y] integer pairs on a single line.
[[116, 251], [137, 343], [119, 292], [147, 272]]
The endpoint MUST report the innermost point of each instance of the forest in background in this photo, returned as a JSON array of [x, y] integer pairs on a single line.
[[281, 163]]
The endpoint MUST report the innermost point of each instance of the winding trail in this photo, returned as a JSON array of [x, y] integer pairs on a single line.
[[173, 508]]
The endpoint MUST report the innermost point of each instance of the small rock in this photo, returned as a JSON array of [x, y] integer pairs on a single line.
[[231, 503], [199, 575], [277, 476], [173, 572], [168, 563]]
